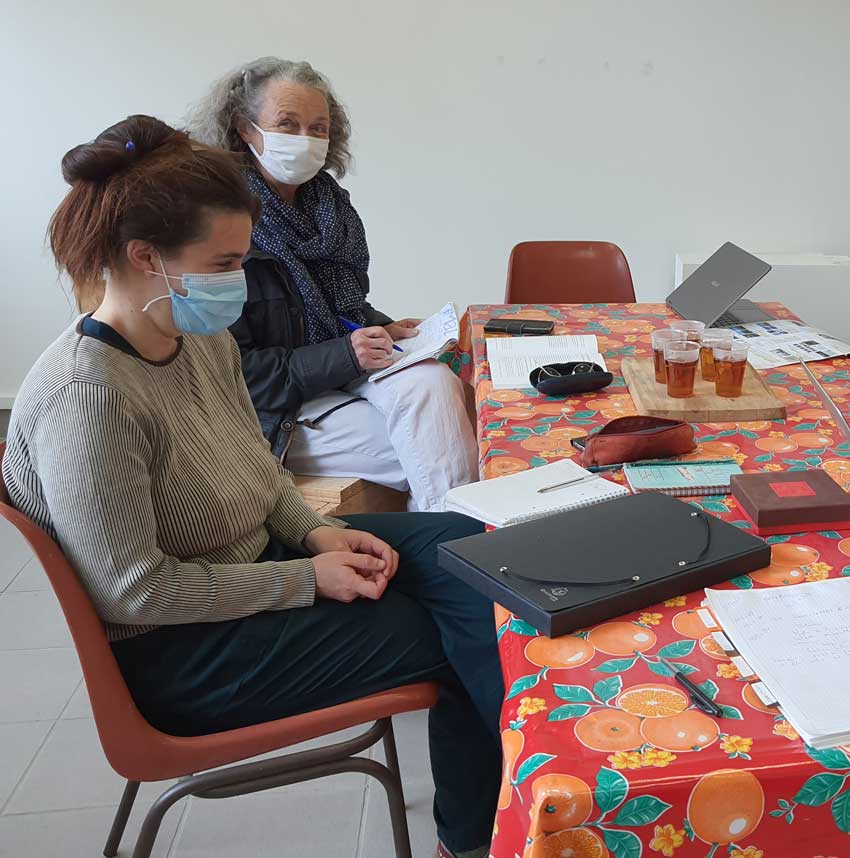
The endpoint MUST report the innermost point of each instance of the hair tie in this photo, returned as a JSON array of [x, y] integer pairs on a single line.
[[129, 145]]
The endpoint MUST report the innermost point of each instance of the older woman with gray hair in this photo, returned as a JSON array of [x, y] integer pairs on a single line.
[[308, 283]]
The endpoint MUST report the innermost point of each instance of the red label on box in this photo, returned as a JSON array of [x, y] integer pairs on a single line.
[[793, 490]]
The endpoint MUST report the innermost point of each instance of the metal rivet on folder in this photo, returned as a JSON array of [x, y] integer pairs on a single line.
[[503, 568], [635, 577], [683, 562]]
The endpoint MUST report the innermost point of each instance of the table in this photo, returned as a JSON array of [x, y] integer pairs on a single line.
[[591, 769]]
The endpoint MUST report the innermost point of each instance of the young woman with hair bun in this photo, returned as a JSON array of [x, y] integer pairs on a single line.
[[134, 443]]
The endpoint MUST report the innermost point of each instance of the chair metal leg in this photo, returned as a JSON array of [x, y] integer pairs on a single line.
[[121, 817], [153, 820], [395, 796], [390, 751], [279, 771]]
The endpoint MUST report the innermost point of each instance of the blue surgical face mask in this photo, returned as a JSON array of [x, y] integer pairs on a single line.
[[213, 301]]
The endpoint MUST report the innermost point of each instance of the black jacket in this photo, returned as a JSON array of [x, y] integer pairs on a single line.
[[280, 369]]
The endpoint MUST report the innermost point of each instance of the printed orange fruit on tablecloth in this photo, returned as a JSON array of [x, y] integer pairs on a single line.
[[778, 576], [507, 395], [689, 625], [512, 743], [500, 466], [514, 412], [725, 806], [836, 467], [538, 443], [573, 843], [752, 700], [688, 731], [652, 701], [622, 638], [559, 802], [564, 652], [581, 313], [552, 408], [482, 390], [787, 397], [812, 439], [565, 433], [711, 648], [529, 314], [609, 730], [616, 401], [629, 326], [776, 445], [606, 344], [813, 414], [614, 413], [719, 448], [844, 547], [791, 554], [502, 614], [756, 425]]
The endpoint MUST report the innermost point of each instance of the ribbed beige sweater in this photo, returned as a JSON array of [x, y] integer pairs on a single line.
[[157, 482]]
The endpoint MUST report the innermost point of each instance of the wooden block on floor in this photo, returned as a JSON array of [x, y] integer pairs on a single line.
[[349, 496]]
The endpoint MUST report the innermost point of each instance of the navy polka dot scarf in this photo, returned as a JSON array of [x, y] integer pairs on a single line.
[[322, 243]]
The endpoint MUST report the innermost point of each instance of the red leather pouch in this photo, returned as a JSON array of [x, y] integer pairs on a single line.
[[631, 439]]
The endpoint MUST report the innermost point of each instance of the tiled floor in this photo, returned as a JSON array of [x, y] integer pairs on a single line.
[[57, 793]]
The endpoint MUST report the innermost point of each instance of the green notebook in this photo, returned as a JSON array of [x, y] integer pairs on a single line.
[[681, 479]]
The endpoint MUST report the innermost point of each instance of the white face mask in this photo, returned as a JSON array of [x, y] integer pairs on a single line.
[[291, 158]]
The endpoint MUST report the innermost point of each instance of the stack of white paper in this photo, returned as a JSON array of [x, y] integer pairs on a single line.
[[796, 639], [781, 342], [512, 358]]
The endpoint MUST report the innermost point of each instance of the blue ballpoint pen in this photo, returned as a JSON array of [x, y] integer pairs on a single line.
[[353, 326]]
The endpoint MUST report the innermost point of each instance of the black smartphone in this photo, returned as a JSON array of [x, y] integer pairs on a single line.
[[519, 327]]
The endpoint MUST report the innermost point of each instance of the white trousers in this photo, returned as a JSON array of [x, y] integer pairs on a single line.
[[413, 433]]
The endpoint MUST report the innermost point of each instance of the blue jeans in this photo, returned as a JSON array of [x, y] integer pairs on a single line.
[[208, 677]]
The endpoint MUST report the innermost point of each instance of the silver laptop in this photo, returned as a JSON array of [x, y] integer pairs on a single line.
[[712, 294]]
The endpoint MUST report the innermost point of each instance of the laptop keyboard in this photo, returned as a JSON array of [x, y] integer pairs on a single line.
[[725, 321]]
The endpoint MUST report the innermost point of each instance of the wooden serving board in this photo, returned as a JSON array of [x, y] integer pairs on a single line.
[[757, 402]]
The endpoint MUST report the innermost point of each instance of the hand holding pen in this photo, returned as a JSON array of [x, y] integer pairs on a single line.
[[372, 346]]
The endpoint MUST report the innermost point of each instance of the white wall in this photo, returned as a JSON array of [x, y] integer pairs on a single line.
[[660, 125]]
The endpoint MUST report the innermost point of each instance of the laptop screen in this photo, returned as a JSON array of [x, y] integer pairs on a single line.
[[724, 278]]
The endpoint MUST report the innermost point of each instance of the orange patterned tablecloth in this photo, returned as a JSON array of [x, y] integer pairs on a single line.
[[603, 754]]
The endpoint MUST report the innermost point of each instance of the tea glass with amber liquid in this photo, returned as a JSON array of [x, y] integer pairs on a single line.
[[730, 364], [710, 339], [687, 329], [659, 337], [681, 358]]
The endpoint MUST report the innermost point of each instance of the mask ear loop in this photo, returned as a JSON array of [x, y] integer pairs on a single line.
[[167, 278]]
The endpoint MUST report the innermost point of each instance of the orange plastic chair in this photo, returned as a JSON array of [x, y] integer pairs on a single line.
[[568, 272], [139, 752]]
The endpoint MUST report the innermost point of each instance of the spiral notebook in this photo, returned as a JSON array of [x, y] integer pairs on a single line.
[[682, 479], [517, 497]]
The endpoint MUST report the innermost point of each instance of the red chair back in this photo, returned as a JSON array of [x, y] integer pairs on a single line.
[[568, 272], [121, 727], [140, 752]]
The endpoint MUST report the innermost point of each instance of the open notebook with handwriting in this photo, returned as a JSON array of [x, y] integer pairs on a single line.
[[796, 640]]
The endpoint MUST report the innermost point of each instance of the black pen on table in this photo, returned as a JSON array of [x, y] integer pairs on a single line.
[[698, 697]]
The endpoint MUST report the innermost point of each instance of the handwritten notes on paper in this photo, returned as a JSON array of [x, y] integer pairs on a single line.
[[796, 639]]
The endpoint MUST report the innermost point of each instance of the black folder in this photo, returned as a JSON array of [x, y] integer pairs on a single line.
[[572, 570]]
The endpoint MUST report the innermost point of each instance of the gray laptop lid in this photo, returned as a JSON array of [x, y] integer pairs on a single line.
[[724, 278]]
